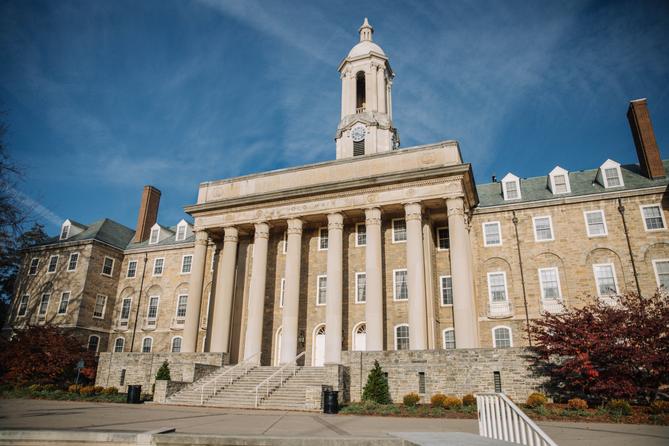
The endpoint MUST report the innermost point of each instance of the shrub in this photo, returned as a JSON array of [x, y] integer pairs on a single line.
[[109, 391], [411, 399], [164, 372], [87, 390], [376, 389], [469, 400], [49, 387], [437, 400], [658, 407], [98, 389], [619, 407], [35, 387], [452, 402], [577, 404], [536, 400], [74, 388]]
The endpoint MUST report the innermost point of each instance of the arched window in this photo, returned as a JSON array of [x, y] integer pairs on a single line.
[[176, 344], [93, 343], [449, 338], [119, 344], [147, 344], [502, 337], [360, 91], [402, 337], [360, 337]]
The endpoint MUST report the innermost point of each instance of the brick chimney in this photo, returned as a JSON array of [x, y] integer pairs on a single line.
[[148, 213], [644, 139]]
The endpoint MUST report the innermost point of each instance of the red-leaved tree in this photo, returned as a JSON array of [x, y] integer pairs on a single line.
[[603, 351]]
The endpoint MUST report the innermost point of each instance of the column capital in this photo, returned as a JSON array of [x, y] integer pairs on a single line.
[[413, 211], [201, 237], [294, 226], [335, 221], [372, 216], [262, 230], [455, 206], [231, 234]]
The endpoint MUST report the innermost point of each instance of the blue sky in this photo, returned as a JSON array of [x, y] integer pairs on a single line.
[[102, 97]]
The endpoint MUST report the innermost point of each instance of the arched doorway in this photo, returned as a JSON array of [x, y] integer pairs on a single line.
[[318, 356], [277, 347], [360, 337]]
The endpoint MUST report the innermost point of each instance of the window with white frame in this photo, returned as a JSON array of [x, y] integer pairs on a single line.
[[543, 229], [550, 283], [176, 344], [402, 337], [605, 277], [400, 288], [446, 290], [653, 218], [53, 264], [502, 337], [65, 231], [186, 264], [322, 239], [158, 265], [449, 339], [321, 290], [100, 304], [181, 232], [282, 292], [443, 241], [511, 187], [147, 344], [492, 233], [64, 301], [23, 305], [119, 345], [182, 303], [43, 304], [662, 273], [108, 266], [595, 223], [399, 230], [497, 286], [612, 177], [125, 309], [74, 259], [152, 312], [560, 185], [93, 343], [34, 263], [360, 288], [155, 236], [132, 269], [360, 234]]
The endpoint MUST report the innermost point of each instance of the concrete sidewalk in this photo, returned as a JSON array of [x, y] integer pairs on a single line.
[[67, 415]]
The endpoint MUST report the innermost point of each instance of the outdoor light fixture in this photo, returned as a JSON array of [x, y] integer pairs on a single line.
[[300, 338]]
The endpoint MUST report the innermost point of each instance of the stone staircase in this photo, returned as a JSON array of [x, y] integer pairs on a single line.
[[241, 392]]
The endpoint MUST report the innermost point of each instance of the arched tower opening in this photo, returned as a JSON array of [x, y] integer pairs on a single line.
[[360, 99]]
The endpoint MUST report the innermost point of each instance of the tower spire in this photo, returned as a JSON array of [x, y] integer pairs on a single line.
[[366, 31]]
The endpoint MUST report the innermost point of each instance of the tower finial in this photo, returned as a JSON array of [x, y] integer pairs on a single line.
[[366, 31]]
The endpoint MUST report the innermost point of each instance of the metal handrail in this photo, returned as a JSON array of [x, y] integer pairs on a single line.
[[292, 365], [501, 419], [247, 364]]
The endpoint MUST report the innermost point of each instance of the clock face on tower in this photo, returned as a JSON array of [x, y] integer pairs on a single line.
[[358, 132]]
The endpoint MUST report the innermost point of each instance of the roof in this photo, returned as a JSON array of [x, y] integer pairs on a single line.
[[365, 47], [105, 230], [582, 183], [167, 241]]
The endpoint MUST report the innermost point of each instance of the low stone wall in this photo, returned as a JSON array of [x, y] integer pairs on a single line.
[[452, 372], [164, 389], [123, 369]]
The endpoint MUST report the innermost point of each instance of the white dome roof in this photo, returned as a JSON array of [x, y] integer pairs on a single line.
[[365, 47]]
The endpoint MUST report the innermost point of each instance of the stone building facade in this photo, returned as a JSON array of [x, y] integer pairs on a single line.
[[380, 250]]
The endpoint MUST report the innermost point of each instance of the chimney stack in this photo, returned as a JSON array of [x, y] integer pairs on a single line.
[[148, 213], [644, 139]]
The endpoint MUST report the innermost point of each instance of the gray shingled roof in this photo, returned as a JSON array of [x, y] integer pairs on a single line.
[[105, 230], [171, 240], [583, 182]]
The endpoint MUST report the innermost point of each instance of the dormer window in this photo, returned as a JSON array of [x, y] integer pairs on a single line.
[[65, 230], [511, 187], [559, 181], [610, 175], [155, 235], [181, 231]]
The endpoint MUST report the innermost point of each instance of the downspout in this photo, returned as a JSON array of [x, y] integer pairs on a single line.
[[621, 209], [522, 278], [139, 302]]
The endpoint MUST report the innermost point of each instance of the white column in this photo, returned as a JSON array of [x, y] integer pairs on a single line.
[[416, 277], [433, 340], [333, 312], [370, 84], [225, 279], [466, 333], [256, 303], [350, 77], [373, 272], [189, 344], [344, 94], [390, 99], [381, 88], [291, 292]]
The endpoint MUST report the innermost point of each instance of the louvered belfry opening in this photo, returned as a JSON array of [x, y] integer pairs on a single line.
[[358, 148]]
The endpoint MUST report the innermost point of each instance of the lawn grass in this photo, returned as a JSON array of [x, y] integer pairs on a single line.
[[59, 394]]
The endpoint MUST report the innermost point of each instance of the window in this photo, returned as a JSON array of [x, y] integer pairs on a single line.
[[158, 266], [497, 287], [360, 234], [186, 264], [132, 269], [155, 235], [152, 312], [449, 339], [543, 229], [511, 190], [360, 92], [176, 344], [43, 304], [653, 218], [65, 231], [119, 344], [399, 230], [662, 273], [492, 234], [360, 288], [502, 337], [402, 337], [93, 343], [64, 300], [322, 239], [23, 305], [53, 264], [108, 266], [605, 277], [595, 223], [612, 177], [400, 289], [125, 309], [446, 290], [34, 263], [560, 182], [550, 283], [182, 302], [283, 292], [511, 187], [100, 304], [74, 259], [147, 343], [181, 232], [321, 292], [443, 241]]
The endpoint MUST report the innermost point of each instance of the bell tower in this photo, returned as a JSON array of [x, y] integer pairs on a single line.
[[366, 124]]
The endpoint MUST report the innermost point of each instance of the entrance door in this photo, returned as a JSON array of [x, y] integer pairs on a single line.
[[360, 338], [319, 346]]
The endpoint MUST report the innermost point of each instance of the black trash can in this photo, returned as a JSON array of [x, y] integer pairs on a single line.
[[330, 401], [134, 394]]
